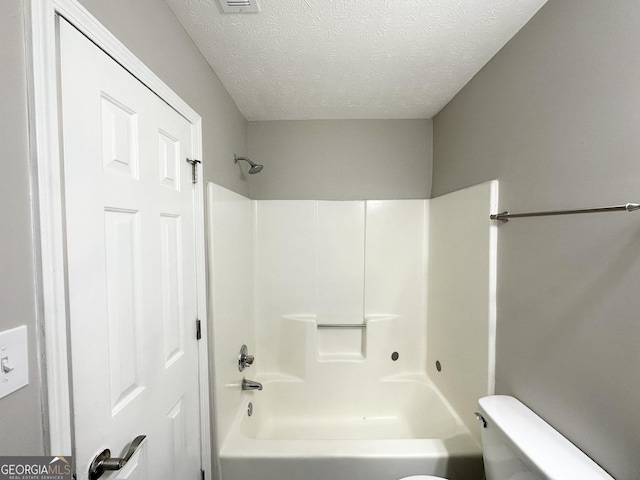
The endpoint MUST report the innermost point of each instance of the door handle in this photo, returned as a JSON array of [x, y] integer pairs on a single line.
[[104, 461]]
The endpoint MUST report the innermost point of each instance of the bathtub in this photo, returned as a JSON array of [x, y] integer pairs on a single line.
[[374, 430]]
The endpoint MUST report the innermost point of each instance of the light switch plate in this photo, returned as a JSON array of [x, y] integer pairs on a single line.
[[14, 360]]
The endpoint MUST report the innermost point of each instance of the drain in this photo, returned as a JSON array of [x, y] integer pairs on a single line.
[[250, 409], [395, 356], [438, 366]]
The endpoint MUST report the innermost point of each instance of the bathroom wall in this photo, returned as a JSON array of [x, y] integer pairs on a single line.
[[20, 412], [462, 297], [231, 287], [341, 159], [555, 117]]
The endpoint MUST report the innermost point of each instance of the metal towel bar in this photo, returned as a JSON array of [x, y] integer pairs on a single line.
[[505, 216]]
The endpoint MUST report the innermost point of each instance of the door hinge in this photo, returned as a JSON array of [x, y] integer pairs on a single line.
[[202, 474], [194, 169], [198, 330]]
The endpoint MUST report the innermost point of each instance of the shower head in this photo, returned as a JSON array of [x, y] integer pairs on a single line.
[[253, 167], [256, 169]]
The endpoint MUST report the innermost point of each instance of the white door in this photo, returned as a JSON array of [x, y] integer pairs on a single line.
[[131, 268]]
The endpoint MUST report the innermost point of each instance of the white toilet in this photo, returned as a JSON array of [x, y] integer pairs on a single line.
[[518, 444]]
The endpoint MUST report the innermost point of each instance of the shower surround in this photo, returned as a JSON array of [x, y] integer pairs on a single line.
[[347, 307]]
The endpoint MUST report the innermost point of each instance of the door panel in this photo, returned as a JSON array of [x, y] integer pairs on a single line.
[[130, 241], [123, 259], [172, 290]]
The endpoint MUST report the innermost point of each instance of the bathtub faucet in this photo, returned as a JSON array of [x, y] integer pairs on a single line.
[[251, 385]]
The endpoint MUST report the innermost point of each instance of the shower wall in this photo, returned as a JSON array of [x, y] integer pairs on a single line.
[[230, 238], [350, 262], [415, 278], [462, 307]]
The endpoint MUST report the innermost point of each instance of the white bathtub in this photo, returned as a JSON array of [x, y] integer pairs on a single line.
[[380, 430]]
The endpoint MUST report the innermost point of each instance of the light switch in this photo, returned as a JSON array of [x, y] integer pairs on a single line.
[[14, 360]]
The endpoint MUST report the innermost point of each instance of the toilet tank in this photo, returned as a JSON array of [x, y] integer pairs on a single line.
[[518, 445]]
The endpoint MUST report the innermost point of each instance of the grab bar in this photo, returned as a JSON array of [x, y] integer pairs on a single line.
[[342, 325]]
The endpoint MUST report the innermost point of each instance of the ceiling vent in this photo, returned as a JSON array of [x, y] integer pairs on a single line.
[[240, 6]]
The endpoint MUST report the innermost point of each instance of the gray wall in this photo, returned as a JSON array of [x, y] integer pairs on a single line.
[[150, 30], [20, 412], [555, 116], [341, 159]]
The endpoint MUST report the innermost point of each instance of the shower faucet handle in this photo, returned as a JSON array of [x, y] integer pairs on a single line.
[[244, 359]]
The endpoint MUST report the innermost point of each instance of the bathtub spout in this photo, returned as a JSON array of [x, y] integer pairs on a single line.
[[251, 385]]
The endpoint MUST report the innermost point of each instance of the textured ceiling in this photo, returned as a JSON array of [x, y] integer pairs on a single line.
[[350, 59]]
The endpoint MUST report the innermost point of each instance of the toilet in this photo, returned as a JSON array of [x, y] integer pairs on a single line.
[[518, 444]]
